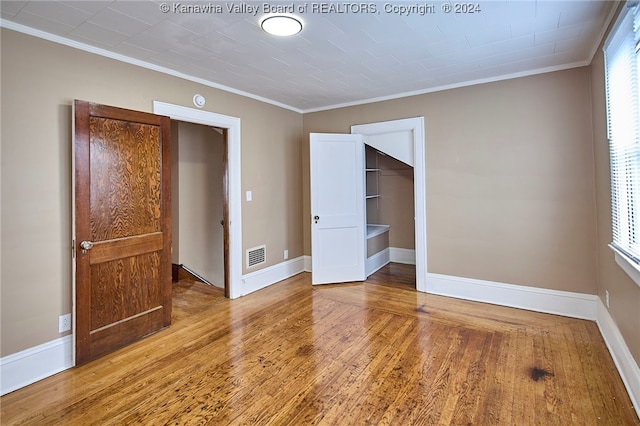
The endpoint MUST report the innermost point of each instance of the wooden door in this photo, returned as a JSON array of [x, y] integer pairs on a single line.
[[337, 208], [225, 210], [122, 227]]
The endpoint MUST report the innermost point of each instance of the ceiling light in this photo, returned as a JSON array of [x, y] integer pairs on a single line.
[[281, 25]]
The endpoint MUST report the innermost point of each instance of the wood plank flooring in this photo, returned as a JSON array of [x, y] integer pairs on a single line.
[[350, 354]]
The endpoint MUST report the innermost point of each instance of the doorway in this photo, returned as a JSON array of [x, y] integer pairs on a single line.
[[198, 201], [389, 210], [232, 223], [407, 138], [338, 196]]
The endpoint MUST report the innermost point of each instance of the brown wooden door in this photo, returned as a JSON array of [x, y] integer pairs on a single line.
[[122, 210]]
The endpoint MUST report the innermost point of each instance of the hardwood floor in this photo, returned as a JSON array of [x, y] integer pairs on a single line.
[[373, 353]]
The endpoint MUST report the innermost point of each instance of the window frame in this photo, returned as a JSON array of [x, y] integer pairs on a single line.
[[624, 150]]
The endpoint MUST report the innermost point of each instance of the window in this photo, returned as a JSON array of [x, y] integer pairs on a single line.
[[622, 61]]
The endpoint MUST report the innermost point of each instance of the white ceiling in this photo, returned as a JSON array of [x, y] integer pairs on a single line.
[[341, 57]]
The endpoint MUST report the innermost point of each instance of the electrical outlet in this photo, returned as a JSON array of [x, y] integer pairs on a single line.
[[606, 298], [286, 254], [64, 323]]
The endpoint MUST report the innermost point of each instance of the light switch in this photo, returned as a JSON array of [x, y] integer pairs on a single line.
[[249, 196]]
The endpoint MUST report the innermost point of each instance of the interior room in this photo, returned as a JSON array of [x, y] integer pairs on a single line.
[[197, 207], [516, 194]]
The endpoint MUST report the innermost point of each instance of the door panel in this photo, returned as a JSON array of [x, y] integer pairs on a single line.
[[122, 208], [337, 200]]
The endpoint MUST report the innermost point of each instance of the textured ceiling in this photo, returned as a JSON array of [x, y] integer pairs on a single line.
[[347, 53]]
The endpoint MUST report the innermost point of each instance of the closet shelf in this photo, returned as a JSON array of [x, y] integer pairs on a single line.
[[372, 196], [372, 170], [373, 230]]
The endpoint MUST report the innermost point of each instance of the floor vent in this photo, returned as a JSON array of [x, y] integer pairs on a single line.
[[256, 256]]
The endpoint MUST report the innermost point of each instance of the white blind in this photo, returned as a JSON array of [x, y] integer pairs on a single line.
[[622, 61]]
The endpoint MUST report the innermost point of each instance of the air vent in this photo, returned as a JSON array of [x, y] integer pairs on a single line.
[[256, 256]]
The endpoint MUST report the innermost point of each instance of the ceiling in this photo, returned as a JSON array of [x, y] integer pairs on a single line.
[[345, 54]]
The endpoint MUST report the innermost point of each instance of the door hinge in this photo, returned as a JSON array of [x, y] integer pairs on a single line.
[[73, 249]]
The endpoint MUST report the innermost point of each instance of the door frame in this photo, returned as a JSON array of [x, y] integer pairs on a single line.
[[231, 125], [415, 125]]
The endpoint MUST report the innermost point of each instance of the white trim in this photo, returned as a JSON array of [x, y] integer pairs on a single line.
[[42, 361], [122, 58], [452, 86], [401, 255], [232, 124], [39, 362], [137, 62], [622, 357], [265, 277], [307, 263], [415, 125], [376, 261], [570, 304], [601, 35], [627, 265]]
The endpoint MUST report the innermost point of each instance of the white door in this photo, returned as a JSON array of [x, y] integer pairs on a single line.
[[337, 208]]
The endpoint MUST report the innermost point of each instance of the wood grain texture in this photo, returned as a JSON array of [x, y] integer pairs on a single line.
[[125, 178], [352, 354], [123, 206], [225, 209], [126, 247], [124, 288]]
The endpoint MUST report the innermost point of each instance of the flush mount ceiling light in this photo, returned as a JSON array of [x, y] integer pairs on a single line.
[[281, 25]]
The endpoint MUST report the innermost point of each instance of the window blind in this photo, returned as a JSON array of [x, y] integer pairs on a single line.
[[622, 61]]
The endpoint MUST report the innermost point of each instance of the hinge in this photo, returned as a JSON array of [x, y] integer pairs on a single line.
[[73, 249]]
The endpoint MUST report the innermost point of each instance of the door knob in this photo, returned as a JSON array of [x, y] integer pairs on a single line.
[[316, 218], [85, 246]]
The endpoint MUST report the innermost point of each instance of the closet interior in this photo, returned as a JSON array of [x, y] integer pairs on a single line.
[[389, 208]]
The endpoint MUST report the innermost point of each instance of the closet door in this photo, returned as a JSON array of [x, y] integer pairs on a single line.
[[337, 208]]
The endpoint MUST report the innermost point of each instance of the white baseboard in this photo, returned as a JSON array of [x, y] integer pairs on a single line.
[[626, 365], [39, 362], [33, 364], [377, 261], [401, 255], [396, 255], [265, 277], [569, 304]]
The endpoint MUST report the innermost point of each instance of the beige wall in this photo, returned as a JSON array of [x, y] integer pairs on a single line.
[[396, 204], [509, 178], [624, 294], [200, 201], [39, 81]]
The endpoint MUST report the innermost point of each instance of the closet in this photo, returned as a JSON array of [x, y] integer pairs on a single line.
[[360, 218], [389, 208]]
